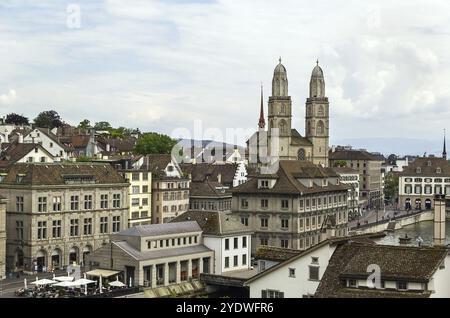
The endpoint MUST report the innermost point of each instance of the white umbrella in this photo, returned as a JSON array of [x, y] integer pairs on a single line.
[[65, 284], [117, 284], [43, 282], [64, 278], [83, 281], [101, 284]]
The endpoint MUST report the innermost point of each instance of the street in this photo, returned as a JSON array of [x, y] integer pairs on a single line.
[[370, 216]]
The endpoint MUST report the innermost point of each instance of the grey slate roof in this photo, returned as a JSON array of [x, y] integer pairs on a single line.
[[159, 254], [416, 264], [161, 229], [428, 167], [353, 155], [287, 183], [215, 223]]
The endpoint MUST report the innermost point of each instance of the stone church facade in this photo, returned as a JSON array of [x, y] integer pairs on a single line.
[[281, 139]]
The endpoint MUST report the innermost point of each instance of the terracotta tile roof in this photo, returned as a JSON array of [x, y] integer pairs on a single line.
[[299, 140], [54, 138], [415, 264], [156, 164], [161, 229], [122, 145], [215, 223], [79, 141], [61, 173]]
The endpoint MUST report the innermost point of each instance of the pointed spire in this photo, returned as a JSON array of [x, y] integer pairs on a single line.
[[279, 59], [444, 151], [262, 122], [317, 62]]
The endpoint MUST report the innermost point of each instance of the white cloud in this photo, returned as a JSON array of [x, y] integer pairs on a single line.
[[163, 64], [8, 98]]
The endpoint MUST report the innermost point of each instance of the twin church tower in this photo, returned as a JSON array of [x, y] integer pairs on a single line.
[[291, 144]]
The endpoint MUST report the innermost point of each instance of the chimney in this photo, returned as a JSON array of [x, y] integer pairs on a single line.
[[439, 220], [20, 140], [219, 178]]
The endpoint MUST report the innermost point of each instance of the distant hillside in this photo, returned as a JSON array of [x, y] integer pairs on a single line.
[[398, 146]]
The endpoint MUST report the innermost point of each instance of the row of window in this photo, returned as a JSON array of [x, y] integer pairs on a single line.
[[303, 242], [138, 202], [401, 286], [235, 243], [171, 196], [173, 208], [427, 189], [314, 202], [74, 229], [210, 205], [173, 185], [136, 176], [137, 189], [139, 215], [41, 159], [303, 222], [236, 261], [180, 241], [428, 180], [56, 203]]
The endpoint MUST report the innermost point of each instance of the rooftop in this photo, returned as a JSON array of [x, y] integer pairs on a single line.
[[161, 229]]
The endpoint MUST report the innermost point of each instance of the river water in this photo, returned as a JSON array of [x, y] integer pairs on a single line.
[[423, 230]]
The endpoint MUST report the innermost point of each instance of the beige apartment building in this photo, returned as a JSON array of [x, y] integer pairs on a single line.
[[140, 197], [170, 188], [59, 213], [288, 209], [371, 183], [2, 237]]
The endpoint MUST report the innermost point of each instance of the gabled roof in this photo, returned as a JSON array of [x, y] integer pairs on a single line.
[[202, 171], [288, 173], [15, 152], [333, 241], [214, 223], [397, 263], [157, 164], [121, 144], [52, 136], [208, 189], [161, 229]]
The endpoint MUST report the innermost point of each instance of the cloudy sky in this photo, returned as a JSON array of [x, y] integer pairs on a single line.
[[161, 65]]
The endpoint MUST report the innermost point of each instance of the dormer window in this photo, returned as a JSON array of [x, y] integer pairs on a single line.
[[429, 163], [438, 170], [352, 283], [418, 170], [264, 184], [402, 286]]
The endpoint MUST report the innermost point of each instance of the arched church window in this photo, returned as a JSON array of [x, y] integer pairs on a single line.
[[320, 111], [320, 128], [301, 154], [283, 109], [282, 127], [309, 128]]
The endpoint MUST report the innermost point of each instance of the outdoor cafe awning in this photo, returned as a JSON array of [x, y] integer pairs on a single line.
[[102, 273]]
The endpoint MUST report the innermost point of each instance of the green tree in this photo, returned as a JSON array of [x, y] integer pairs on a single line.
[[154, 143], [16, 119], [48, 119], [391, 186], [85, 124], [340, 163], [103, 125]]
